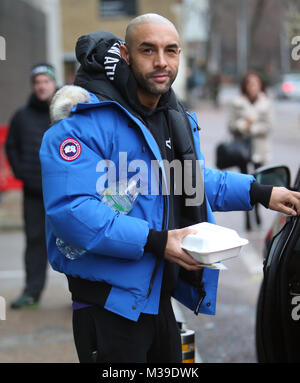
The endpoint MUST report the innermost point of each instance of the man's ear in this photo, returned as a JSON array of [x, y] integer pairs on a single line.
[[124, 53]]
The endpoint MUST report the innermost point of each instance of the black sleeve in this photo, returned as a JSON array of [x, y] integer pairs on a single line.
[[156, 242], [13, 147], [260, 194]]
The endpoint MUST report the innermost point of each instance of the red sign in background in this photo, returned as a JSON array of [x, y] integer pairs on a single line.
[[7, 180]]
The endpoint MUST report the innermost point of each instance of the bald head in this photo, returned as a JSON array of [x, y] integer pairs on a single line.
[[148, 18], [152, 52]]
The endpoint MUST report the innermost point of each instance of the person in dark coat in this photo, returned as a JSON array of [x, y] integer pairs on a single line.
[[27, 128]]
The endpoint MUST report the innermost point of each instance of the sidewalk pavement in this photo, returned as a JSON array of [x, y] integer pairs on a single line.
[[38, 335], [34, 335], [11, 214]]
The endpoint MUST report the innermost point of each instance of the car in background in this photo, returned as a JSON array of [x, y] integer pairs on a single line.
[[289, 87], [278, 306]]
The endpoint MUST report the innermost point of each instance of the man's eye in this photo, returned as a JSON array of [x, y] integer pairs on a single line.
[[148, 50]]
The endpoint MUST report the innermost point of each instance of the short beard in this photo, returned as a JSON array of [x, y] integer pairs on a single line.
[[152, 88]]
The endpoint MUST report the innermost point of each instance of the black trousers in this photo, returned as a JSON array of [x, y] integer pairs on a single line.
[[104, 337], [35, 259]]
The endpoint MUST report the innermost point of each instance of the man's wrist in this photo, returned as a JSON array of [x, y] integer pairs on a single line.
[[156, 242], [260, 194]]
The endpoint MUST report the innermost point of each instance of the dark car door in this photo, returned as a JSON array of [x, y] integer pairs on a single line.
[[278, 308]]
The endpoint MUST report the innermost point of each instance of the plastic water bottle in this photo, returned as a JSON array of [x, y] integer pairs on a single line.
[[120, 197], [69, 251]]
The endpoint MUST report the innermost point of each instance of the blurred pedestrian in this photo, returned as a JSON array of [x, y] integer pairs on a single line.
[[251, 116], [214, 87], [27, 128]]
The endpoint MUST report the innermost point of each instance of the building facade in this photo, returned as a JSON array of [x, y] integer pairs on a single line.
[[80, 17], [23, 30]]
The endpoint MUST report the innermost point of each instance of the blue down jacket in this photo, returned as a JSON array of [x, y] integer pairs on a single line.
[[114, 242]]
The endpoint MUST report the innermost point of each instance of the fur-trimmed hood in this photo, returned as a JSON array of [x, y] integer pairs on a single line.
[[65, 99]]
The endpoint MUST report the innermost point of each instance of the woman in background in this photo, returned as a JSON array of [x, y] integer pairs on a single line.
[[251, 115]]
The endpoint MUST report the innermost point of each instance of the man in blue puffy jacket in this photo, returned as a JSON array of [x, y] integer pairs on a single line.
[[129, 265]]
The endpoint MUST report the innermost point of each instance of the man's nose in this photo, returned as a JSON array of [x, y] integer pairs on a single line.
[[160, 60]]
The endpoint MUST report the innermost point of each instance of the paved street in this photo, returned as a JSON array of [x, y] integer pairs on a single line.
[[45, 335]]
